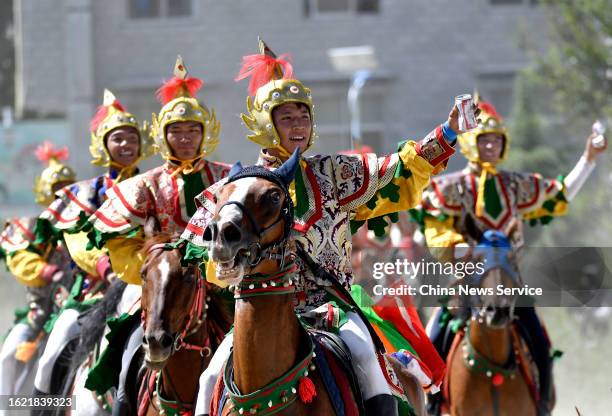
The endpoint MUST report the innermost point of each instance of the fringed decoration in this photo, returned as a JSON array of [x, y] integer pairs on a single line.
[[306, 389], [47, 151], [102, 113], [178, 87], [263, 68], [489, 108], [498, 379]]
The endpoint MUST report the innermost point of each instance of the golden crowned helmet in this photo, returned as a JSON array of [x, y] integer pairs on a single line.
[[111, 115], [179, 104], [271, 85], [491, 122], [54, 173]]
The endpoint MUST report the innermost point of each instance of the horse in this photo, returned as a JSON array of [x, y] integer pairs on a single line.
[[184, 322], [489, 370], [119, 298], [274, 366]]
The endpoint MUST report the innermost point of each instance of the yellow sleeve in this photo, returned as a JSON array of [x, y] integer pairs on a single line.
[[405, 189], [442, 237], [126, 258], [27, 267], [77, 247]]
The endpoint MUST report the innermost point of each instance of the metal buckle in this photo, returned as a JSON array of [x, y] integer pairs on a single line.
[[254, 258]]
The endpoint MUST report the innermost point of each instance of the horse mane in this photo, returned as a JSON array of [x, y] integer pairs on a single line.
[[160, 238], [93, 323]]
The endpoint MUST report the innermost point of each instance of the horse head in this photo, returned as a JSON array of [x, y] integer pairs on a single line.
[[252, 221], [173, 305], [499, 268]]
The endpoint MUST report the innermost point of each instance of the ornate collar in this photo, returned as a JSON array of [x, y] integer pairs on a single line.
[[280, 393]]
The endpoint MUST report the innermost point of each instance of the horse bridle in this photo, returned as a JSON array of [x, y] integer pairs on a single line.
[[197, 313], [495, 257], [277, 250]]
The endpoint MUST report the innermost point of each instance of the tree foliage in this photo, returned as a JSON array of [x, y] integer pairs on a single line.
[[578, 67]]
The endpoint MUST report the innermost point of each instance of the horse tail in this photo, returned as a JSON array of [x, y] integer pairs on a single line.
[[93, 323]]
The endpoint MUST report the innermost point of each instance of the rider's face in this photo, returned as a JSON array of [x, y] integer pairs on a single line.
[[490, 147], [184, 139], [123, 145], [293, 125]]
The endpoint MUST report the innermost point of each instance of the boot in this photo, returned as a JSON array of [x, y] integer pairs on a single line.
[[121, 407], [434, 404], [383, 404], [40, 412], [546, 390]]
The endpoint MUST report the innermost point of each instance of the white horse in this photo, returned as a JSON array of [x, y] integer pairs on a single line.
[[87, 403]]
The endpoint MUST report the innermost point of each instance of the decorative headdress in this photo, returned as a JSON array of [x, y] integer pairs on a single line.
[[54, 173], [271, 85], [491, 122], [111, 115], [177, 96]]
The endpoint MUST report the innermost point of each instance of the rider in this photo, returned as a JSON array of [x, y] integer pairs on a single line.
[[459, 207], [186, 132], [327, 191], [41, 267], [117, 145]]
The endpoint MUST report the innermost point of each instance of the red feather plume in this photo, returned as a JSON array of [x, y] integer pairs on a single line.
[[171, 88], [101, 114], [261, 70], [47, 151], [489, 108]]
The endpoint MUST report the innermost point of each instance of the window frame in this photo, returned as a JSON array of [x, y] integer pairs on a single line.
[[163, 16], [311, 9]]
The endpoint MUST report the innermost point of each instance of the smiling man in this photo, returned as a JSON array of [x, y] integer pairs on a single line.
[[328, 192], [185, 132], [117, 145], [460, 207]]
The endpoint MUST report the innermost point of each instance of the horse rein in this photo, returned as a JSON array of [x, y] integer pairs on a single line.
[[197, 313]]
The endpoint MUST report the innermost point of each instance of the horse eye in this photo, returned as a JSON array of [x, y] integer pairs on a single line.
[[275, 197]]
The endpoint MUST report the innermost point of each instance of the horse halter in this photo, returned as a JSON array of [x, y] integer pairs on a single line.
[[495, 248], [197, 313], [275, 250]]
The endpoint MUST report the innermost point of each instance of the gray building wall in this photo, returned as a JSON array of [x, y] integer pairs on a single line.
[[428, 51]]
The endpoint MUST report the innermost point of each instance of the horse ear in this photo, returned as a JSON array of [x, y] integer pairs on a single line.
[[287, 169], [237, 167], [151, 226]]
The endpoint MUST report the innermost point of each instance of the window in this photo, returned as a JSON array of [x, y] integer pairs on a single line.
[[154, 9], [313, 7]]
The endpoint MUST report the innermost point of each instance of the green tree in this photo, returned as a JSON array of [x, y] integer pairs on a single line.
[[555, 106], [534, 145], [578, 67]]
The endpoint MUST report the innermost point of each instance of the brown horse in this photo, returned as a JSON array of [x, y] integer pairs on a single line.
[[272, 366], [183, 324], [489, 368]]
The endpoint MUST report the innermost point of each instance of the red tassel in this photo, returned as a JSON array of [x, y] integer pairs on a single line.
[[101, 114], [46, 151], [306, 389], [171, 88], [497, 380], [261, 70], [489, 108]]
